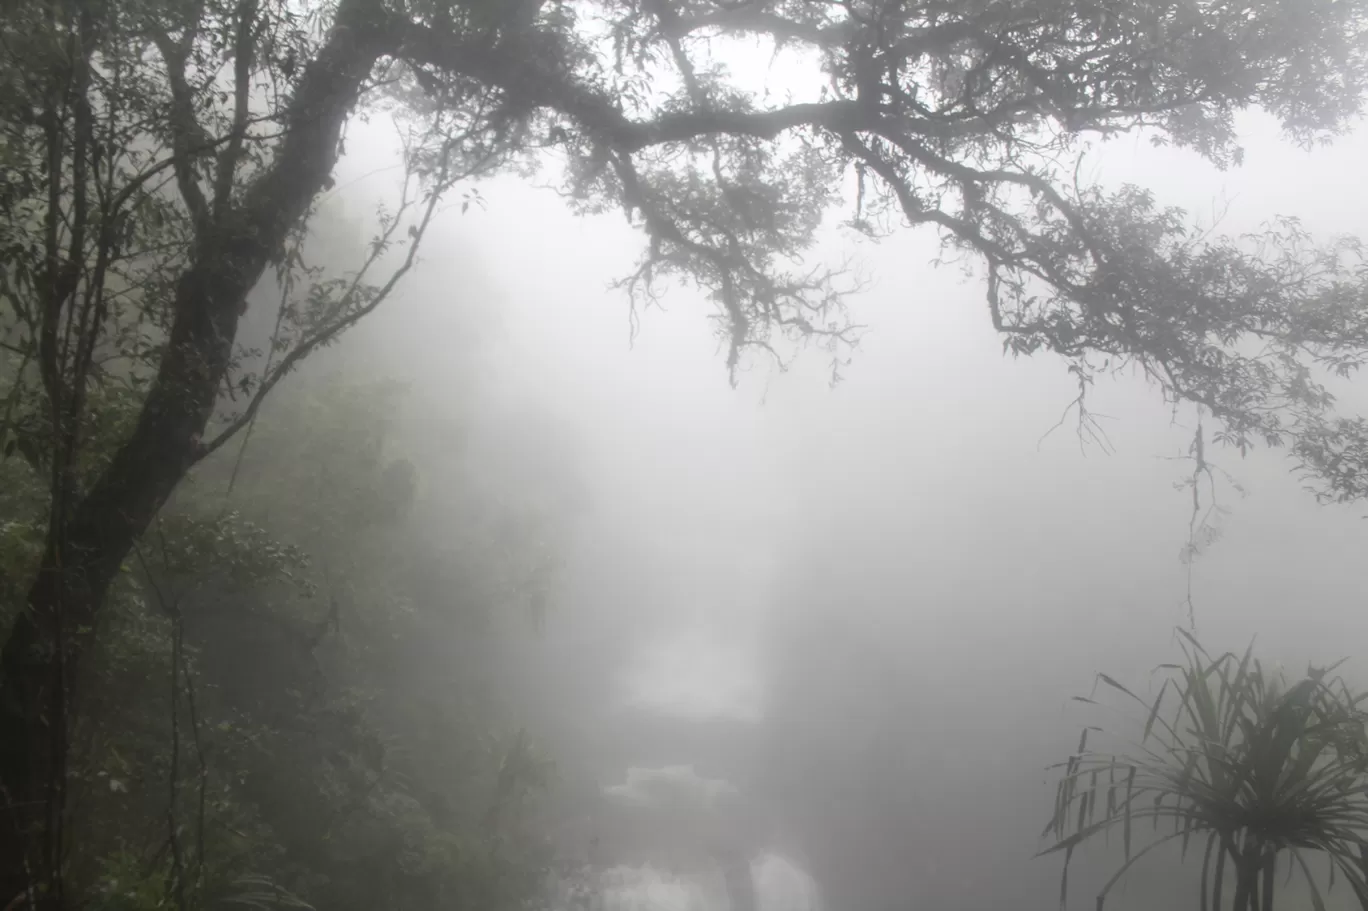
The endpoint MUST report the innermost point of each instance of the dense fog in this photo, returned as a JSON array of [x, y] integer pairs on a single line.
[[512, 596], [860, 610]]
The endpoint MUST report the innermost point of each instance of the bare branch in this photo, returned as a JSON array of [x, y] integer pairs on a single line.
[[347, 314]]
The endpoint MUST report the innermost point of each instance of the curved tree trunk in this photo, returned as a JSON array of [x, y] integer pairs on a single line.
[[88, 546]]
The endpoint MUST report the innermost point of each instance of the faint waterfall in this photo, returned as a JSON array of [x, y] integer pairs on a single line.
[[780, 885]]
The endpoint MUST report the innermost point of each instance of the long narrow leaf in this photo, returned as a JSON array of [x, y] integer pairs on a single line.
[[1317, 900], [1154, 712], [1116, 877], [1206, 868], [1130, 798]]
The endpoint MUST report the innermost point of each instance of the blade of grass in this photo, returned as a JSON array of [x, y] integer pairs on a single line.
[[1154, 712]]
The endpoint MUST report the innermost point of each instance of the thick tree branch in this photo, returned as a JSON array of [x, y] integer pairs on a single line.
[[749, 19], [207, 302], [187, 134], [244, 49], [347, 312]]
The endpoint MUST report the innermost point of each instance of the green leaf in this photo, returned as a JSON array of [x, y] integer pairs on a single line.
[[1154, 712]]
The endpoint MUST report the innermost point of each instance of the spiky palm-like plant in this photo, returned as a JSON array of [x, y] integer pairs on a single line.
[[1260, 772]]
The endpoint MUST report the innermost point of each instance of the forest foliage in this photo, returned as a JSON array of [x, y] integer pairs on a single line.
[[162, 164], [265, 720]]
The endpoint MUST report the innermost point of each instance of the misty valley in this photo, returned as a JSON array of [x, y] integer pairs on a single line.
[[683, 455]]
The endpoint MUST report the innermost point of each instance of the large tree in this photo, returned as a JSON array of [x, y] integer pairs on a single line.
[[329, 727], [162, 156]]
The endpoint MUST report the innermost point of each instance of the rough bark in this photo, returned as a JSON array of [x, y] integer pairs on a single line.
[[87, 547]]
